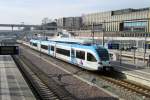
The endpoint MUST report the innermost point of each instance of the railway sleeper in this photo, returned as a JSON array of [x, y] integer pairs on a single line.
[[35, 81], [128, 86], [50, 82]]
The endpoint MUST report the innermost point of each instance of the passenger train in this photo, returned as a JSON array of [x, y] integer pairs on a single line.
[[90, 57]]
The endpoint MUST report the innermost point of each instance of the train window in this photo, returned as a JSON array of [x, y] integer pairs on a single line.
[[90, 57], [34, 44], [148, 46], [63, 51], [103, 54], [44, 47], [52, 48], [80, 54]]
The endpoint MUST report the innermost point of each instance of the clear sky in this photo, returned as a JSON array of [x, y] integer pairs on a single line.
[[33, 11]]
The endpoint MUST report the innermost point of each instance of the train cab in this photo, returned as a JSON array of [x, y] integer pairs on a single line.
[[104, 60]]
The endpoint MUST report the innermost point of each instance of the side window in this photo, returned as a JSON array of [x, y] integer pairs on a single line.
[[52, 48], [44, 47], [80, 54], [90, 57], [63, 51], [34, 44]]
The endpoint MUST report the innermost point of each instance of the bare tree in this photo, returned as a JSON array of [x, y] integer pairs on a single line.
[[45, 20]]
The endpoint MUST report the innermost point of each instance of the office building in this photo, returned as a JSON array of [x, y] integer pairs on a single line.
[[132, 20], [70, 23]]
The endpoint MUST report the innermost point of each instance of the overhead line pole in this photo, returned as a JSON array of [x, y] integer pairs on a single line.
[[103, 33], [93, 32], [145, 35]]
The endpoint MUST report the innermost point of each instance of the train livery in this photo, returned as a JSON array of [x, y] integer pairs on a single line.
[[90, 57]]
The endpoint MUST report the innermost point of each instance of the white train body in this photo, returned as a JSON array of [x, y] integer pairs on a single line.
[[90, 57]]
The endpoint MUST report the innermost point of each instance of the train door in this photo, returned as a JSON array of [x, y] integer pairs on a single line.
[[49, 49], [91, 61], [55, 48], [52, 50], [73, 58], [39, 46]]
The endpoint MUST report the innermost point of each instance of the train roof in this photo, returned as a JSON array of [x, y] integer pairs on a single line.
[[72, 40], [94, 46]]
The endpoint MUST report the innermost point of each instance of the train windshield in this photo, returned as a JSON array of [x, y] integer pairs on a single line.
[[103, 54]]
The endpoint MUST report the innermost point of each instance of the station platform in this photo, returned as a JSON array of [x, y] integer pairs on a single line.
[[135, 72], [134, 69], [130, 54], [12, 84]]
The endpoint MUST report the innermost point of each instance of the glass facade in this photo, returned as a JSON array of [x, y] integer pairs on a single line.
[[139, 26], [121, 20]]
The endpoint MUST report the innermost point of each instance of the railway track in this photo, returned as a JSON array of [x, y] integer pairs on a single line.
[[45, 87], [129, 86], [122, 83]]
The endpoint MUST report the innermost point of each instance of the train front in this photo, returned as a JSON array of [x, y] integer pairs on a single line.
[[104, 60]]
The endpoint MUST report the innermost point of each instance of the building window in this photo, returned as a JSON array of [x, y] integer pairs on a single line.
[[135, 26], [121, 27], [90, 57], [80, 54], [52, 48], [44, 47], [63, 51]]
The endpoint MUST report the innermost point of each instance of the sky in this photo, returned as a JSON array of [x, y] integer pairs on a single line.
[[33, 11]]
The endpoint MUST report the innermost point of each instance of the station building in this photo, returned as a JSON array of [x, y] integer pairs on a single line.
[[133, 20]]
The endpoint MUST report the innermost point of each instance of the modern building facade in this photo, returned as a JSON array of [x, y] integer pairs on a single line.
[[70, 22], [133, 20]]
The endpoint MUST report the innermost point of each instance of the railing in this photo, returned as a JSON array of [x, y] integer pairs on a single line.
[[110, 34]]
